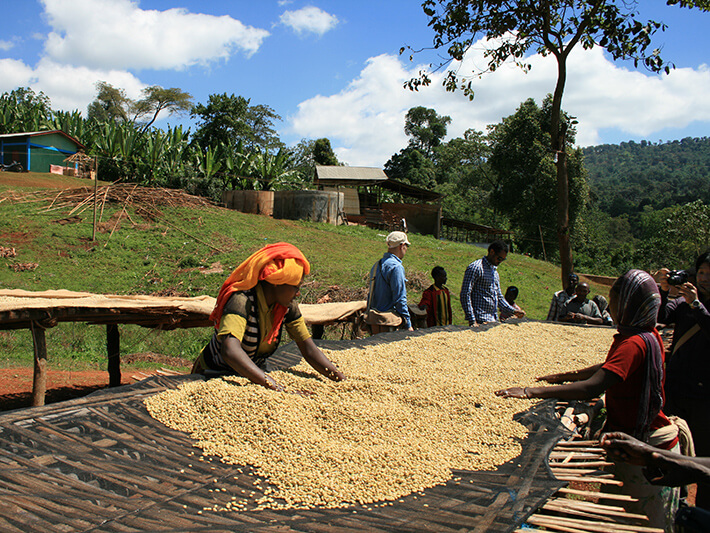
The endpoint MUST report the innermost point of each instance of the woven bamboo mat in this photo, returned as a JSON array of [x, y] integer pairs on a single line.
[[102, 463]]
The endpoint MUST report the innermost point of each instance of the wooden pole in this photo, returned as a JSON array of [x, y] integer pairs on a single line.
[[542, 241], [96, 192], [113, 348], [39, 380]]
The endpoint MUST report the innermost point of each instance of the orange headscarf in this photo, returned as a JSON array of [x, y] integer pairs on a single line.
[[280, 263]]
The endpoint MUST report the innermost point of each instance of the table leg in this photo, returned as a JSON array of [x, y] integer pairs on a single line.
[[113, 348], [39, 380]]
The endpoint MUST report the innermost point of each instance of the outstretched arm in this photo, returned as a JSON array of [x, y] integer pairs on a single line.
[[586, 389], [574, 375], [239, 361], [317, 359]]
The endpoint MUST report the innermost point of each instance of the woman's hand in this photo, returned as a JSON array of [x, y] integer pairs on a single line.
[[513, 392], [661, 277], [272, 384], [335, 374], [688, 291]]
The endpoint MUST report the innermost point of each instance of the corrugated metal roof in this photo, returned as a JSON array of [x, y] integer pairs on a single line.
[[38, 133], [356, 175]]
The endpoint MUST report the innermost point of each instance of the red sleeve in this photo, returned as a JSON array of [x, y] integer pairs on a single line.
[[625, 355], [427, 299]]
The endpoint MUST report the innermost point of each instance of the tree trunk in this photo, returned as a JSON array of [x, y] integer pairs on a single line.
[[558, 133]]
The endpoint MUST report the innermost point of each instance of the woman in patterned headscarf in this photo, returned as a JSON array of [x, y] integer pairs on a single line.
[[632, 378], [253, 306]]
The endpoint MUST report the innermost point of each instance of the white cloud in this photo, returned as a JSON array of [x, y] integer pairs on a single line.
[[14, 74], [309, 19], [117, 34], [6, 45], [68, 87], [365, 121]]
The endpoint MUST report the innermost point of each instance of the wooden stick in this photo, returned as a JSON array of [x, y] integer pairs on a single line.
[[581, 464], [600, 495], [612, 510], [601, 527], [554, 506], [590, 479], [39, 380]]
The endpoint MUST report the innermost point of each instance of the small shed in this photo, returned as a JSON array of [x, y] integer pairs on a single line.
[[369, 208], [37, 150], [347, 180]]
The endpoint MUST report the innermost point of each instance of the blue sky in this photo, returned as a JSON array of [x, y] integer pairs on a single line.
[[331, 68]]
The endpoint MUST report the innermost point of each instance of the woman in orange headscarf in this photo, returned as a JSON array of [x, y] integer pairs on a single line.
[[253, 305]]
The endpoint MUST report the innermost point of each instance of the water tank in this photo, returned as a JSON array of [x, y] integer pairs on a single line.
[[317, 206]]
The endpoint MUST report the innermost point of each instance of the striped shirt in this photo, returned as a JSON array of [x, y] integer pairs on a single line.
[[247, 318]]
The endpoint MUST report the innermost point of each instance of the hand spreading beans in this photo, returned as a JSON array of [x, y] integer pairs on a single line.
[[409, 413]]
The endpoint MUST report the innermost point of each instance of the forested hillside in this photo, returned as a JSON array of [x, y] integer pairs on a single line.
[[649, 205], [630, 175]]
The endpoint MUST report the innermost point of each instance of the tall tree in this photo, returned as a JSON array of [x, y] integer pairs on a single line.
[[425, 129], [156, 99], [110, 104], [323, 153], [514, 28], [230, 119], [526, 174]]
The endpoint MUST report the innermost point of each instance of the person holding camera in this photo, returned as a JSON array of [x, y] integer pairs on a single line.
[[688, 363]]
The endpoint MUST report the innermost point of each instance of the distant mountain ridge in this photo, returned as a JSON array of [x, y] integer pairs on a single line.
[[625, 177]]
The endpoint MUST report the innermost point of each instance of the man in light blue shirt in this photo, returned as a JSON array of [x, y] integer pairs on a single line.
[[481, 295], [389, 290]]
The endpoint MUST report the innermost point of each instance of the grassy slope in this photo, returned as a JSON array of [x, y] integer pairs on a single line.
[[163, 254]]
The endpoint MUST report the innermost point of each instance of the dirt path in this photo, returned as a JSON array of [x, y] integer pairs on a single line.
[[16, 382]]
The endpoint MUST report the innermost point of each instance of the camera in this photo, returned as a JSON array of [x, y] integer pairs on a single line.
[[677, 277]]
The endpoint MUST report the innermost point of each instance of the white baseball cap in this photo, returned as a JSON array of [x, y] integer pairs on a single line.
[[396, 238]]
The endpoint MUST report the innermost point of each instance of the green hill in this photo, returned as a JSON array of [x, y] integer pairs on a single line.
[[153, 243], [627, 176]]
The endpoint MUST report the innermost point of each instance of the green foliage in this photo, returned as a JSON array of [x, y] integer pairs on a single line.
[[323, 153], [23, 110], [425, 129], [519, 28], [110, 105], [675, 235], [629, 176], [527, 180], [227, 120], [412, 166], [147, 256]]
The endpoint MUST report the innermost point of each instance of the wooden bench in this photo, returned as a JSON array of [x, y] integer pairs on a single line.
[[38, 311]]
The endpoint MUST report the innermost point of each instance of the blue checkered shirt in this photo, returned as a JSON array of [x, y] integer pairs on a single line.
[[480, 293]]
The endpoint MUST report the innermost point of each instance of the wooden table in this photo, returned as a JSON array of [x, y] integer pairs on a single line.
[[38, 311]]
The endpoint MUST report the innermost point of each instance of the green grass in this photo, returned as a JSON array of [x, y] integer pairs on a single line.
[[143, 256]]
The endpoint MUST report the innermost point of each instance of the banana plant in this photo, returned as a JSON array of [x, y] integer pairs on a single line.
[[274, 169]]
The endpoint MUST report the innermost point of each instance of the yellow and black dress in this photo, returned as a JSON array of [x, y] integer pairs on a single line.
[[248, 318]]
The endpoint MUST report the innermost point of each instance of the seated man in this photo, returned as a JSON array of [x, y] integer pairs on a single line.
[[560, 298], [603, 306], [579, 309]]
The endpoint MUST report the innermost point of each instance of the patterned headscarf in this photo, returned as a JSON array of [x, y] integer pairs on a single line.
[[638, 304], [279, 264]]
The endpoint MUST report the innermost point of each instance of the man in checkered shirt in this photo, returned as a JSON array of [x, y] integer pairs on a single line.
[[481, 296]]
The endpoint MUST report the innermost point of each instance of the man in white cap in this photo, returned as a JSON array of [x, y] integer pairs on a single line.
[[388, 290]]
